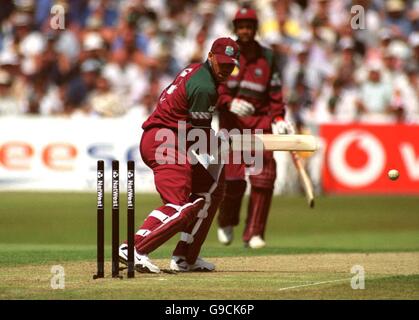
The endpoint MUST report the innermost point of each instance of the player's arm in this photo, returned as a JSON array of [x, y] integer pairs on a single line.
[[224, 97], [201, 100]]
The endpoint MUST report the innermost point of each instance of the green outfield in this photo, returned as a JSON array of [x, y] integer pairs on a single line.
[[309, 255]]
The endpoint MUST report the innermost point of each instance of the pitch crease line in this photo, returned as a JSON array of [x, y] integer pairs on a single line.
[[314, 284]]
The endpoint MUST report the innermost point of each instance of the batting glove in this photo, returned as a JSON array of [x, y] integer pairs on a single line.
[[241, 107], [281, 126]]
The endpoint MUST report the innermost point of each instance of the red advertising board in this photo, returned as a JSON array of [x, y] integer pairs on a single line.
[[358, 158]]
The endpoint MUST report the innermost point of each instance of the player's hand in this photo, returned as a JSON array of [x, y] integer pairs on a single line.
[[282, 126], [241, 107]]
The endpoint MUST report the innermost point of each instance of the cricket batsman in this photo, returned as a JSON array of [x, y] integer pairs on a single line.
[[191, 193], [250, 99]]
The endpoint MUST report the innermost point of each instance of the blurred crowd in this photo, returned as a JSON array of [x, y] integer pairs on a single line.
[[341, 60]]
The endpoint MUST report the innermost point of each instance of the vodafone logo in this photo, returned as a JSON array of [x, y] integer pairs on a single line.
[[359, 156], [356, 173]]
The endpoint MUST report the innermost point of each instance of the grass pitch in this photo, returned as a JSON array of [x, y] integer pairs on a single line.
[[309, 255]]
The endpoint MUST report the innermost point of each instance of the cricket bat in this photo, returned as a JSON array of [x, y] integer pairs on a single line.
[[305, 180], [273, 142]]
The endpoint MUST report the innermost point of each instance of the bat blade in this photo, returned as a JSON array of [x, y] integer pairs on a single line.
[[274, 142]]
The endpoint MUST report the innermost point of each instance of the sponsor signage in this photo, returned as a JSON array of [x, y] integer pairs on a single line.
[[357, 158]]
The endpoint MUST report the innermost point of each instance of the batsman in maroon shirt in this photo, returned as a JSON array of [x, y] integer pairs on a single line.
[[250, 99], [191, 193]]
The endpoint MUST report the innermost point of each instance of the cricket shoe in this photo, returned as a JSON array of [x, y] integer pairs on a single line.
[[202, 265], [178, 263], [225, 235], [256, 242], [142, 262]]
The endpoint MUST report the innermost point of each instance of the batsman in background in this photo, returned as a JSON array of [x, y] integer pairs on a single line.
[[191, 193], [250, 99]]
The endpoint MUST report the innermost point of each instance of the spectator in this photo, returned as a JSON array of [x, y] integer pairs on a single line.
[[105, 102], [93, 47], [336, 103], [126, 77], [414, 44], [9, 104], [103, 12], [411, 94], [376, 52], [301, 67], [145, 107], [346, 61], [375, 97], [81, 86], [140, 44], [396, 18], [9, 62]]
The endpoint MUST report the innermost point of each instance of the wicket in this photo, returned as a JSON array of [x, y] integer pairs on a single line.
[[131, 216], [115, 219], [100, 221]]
